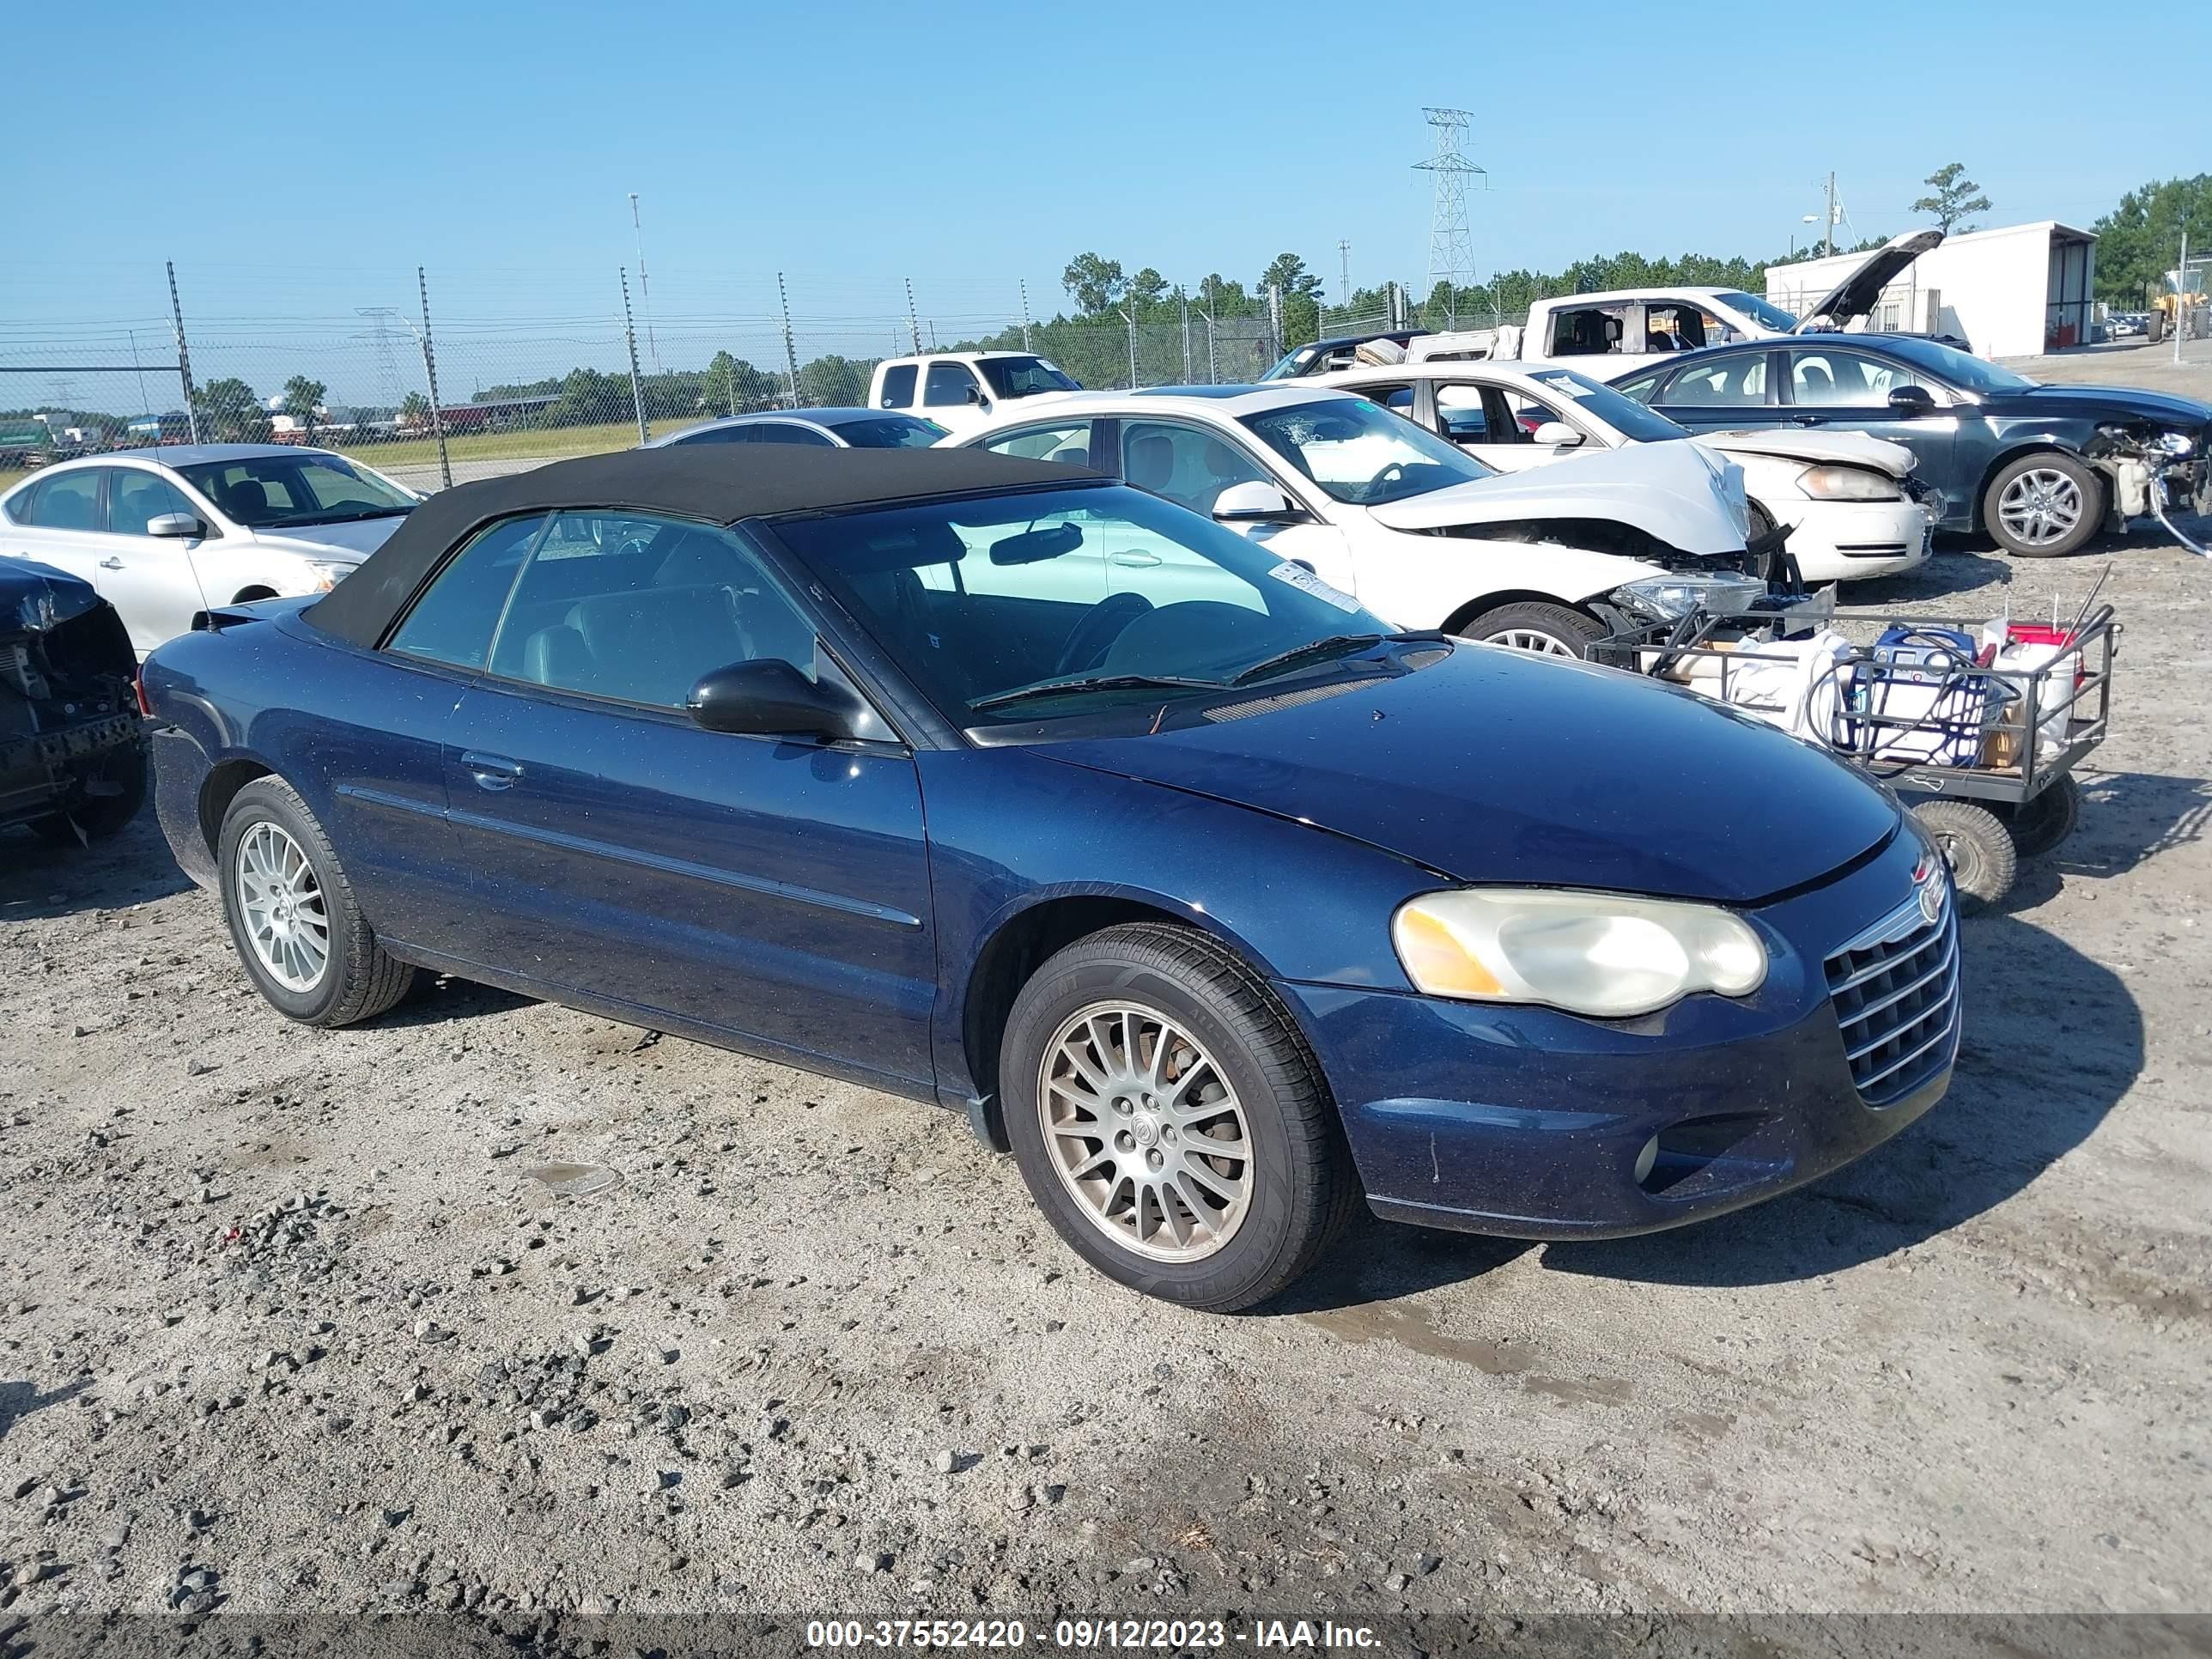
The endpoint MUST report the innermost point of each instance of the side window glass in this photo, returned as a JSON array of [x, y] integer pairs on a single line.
[[636, 608], [1843, 378], [454, 620], [783, 432], [1741, 380], [1459, 411], [68, 501], [1067, 442], [1187, 465], [948, 383], [1590, 332], [899, 386], [1398, 399], [1640, 388], [135, 497], [721, 435]]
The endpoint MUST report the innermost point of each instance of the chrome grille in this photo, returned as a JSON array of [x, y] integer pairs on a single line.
[[1895, 989]]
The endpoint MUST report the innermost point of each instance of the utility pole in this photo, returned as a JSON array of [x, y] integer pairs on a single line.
[[790, 352], [636, 381], [1026, 346], [1828, 235], [1212, 355], [184, 355], [430, 374], [644, 290], [913, 325], [2180, 298], [1344, 283]]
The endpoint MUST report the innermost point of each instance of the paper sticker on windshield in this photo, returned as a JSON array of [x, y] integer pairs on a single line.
[[1306, 582], [1560, 383]]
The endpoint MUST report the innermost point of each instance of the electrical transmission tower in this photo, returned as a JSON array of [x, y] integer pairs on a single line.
[[1451, 245], [388, 392]]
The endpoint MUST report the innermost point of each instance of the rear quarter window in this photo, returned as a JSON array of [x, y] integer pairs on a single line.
[[899, 386]]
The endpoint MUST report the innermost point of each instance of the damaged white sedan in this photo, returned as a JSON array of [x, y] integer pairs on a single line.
[[1409, 525], [1850, 502]]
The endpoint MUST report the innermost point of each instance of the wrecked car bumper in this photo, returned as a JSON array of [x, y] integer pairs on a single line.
[[67, 701]]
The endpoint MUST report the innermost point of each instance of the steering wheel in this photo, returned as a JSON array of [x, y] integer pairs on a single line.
[[1095, 635]]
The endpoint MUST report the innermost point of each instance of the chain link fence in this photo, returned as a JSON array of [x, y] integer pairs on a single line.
[[432, 400]]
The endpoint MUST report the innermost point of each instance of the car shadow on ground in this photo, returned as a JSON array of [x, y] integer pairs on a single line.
[[2052, 1041], [19, 1400], [38, 880], [437, 998]]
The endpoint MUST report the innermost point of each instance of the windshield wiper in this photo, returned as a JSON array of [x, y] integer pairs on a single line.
[[1096, 683], [342, 517], [1333, 645]]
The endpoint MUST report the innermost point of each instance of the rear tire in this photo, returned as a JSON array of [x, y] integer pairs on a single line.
[[2040, 824], [293, 916], [2043, 506], [1975, 843], [1188, 1049], [1544, 630]]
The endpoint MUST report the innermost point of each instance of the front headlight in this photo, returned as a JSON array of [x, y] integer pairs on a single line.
[[1671, 599], [329, 573], [1605, 954], [1848, 483]]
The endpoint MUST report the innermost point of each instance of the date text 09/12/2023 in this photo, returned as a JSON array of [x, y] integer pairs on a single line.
[[1173, 1635]]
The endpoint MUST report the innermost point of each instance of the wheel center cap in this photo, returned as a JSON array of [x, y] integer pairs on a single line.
[[1146, 1128]]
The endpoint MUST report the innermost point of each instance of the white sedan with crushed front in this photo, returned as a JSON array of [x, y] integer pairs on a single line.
[[162, 533], [1416, 529], [1849, 501]]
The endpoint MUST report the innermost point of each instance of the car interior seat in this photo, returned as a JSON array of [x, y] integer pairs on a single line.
[[1151, 463], [245, 499]]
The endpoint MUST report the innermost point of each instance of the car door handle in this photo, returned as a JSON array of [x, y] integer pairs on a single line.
[[491, 771], [1134, 561], [1806, 420], [111, 564]]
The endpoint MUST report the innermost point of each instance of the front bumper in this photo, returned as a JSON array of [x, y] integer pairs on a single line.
[[1531, 1123], [39, 770], [1848, 541]]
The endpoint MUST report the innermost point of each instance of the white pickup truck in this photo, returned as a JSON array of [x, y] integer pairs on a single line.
[[1605, 335]]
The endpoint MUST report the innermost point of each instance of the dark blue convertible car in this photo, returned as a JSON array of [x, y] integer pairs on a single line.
[[997, 784]]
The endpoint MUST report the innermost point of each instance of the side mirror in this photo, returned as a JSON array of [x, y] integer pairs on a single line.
[[766, 696], [975, 397], [176, 526], [1253, 502], [1558, 434], [1907, 401]]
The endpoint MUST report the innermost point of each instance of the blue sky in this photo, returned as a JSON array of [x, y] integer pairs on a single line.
[[301, 166]]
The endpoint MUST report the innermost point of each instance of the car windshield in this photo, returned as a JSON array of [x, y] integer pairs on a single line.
[[1293, 363], [1765, 313], [1024, 377], [1956, 368], [890, 432], [1360, 453], [1068, 604], [266, 492], [1624, 415]]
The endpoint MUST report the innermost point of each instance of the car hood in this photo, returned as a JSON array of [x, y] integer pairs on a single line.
[[35, 598], [1686, 498], [1494, 766], [1855, 296], [349, 541], [2107, 402], [1817, 448]]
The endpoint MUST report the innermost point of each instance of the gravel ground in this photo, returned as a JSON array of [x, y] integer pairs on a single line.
[[294, 1321]]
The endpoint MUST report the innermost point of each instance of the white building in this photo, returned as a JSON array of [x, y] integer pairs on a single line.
[[2015, 292]]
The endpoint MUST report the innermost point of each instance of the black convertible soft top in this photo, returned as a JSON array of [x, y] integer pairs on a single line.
[[719, 482]]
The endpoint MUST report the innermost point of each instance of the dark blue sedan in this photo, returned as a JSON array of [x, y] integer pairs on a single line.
[[2040, 470], [997, 784]]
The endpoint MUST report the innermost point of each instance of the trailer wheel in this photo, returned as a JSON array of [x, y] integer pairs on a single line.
[[1976, 845], [2040, 824]]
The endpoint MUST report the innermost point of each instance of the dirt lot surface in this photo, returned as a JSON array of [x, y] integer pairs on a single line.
[[292, 1320]]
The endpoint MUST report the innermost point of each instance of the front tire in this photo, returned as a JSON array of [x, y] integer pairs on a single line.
[[1977, 845], [1544, 630], [293, 916], [1170, 1119], [2043, 506]]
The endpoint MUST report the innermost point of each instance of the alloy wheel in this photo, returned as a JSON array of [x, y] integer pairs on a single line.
[[1146, 1132], [2040, 506], [1533, 640], [281, 902]]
